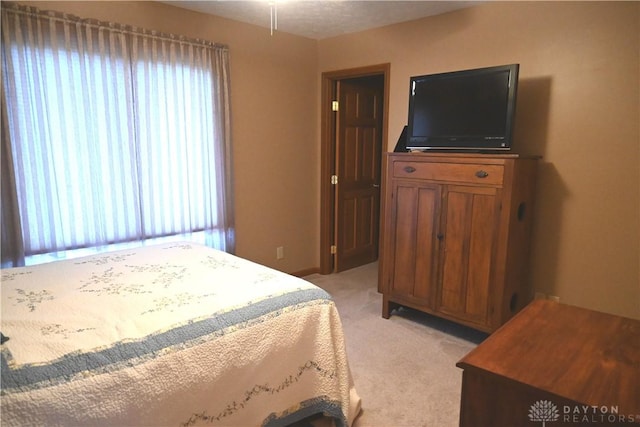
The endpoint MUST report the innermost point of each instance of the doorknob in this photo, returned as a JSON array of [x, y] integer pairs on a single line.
[[376, 185]]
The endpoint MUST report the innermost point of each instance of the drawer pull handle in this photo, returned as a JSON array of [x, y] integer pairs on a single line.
[[409, 169], [482, 174]]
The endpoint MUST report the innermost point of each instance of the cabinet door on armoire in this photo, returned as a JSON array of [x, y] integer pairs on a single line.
[[469, 222], [414, 228]]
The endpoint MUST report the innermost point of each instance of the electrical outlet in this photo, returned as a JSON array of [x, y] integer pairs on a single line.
[[280, 252]]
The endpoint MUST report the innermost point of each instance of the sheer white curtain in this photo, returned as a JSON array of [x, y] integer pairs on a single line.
[[115, 134]]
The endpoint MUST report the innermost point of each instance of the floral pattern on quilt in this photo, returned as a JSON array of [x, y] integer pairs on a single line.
[[153, 288], [185, 334], [258, 389], [31, 298]]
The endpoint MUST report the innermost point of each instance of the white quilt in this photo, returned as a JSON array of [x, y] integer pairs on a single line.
[[175, 335]]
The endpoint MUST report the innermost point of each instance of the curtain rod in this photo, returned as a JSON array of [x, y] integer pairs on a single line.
[[18, 9]]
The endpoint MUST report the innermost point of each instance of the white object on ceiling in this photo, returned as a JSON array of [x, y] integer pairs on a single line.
[[320, 19]]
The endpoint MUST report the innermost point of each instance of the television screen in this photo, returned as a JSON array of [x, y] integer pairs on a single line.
[[463, 110]]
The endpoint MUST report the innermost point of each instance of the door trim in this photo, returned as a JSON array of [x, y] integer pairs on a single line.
[[328, 150]]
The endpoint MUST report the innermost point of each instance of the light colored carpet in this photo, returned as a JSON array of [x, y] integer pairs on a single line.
[[404, 368]]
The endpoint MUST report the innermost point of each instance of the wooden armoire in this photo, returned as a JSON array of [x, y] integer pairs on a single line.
[[455, 235]]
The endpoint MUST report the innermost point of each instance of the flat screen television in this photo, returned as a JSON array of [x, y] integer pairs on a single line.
[[463, 110]]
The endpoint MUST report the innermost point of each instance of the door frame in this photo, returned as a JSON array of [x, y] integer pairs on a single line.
[[328, 150]]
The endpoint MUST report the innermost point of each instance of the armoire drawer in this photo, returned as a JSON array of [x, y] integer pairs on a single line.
[[450, 172]]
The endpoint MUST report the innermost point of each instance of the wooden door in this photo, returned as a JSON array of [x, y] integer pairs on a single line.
[[470, 221], [358, 156], [415, 213]]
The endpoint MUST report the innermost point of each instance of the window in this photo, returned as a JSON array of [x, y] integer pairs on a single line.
[[115, 135]]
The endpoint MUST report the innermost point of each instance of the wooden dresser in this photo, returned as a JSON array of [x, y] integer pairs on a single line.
[[455, 235], [554, 364]]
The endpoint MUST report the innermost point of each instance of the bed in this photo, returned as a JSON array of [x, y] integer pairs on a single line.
[[176, 334]]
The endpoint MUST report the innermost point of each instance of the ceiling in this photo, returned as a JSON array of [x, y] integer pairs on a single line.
[[325, 18]]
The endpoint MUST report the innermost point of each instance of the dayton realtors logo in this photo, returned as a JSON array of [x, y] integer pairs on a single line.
[[543, 410], [546, 411]]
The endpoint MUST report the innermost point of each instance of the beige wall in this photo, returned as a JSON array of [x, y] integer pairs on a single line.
[[578, 108]]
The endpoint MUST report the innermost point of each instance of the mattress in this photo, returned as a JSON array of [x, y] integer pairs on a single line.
[[176, 334]]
